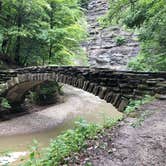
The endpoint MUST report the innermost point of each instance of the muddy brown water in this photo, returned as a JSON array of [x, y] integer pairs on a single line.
[[18, 134], [20, 142]]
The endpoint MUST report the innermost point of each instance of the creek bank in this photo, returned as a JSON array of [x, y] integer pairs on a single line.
[[84, 104], [17, 134], [137, 140], [7, 115]]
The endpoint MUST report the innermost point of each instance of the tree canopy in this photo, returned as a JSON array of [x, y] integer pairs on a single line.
[[34, 32], [149, 18]]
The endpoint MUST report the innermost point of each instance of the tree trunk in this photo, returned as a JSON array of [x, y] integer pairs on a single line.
[[50, 52], [4, 45], [17, 50], [18, 40], [0, 5], [51, 27]]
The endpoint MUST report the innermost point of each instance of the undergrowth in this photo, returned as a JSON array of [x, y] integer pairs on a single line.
[[4, 104], [64, 145], [134, 104], [140, 120], [74, 140]]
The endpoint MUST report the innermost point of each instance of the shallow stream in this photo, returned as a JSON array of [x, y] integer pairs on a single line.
[[17, 135]]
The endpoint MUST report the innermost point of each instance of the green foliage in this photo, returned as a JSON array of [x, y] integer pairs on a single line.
[[41, 31], [109, 122], [103, 21], [120, 40], [5, 104], [46, 93], [149, 17], [63, 145], [69, 142], [134, 104], [84, 3], [139, 64]]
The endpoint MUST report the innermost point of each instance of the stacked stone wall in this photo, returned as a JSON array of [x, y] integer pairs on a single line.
[[116, 87]]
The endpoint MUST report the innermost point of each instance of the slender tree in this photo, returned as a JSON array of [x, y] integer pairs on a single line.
[[36, 32]]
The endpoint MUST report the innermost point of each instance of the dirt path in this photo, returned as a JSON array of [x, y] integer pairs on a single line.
[[134, 142]]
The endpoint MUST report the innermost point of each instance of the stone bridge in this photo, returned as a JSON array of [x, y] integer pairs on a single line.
[[116, 87]]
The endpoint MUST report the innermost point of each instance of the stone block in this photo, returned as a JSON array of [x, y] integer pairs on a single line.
[[102, 92], [123, 104]]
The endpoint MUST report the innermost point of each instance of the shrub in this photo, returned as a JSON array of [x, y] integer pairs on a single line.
[[120, 41], [69, 142], [46, 93], [64, 145], [84, 3], [138, 64], [5, 104], [148, 17], [134, 104]]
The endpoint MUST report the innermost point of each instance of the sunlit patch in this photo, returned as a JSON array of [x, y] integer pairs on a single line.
[[11, 157]]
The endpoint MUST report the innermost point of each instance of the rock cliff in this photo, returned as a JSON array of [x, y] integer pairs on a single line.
[[110, 47]]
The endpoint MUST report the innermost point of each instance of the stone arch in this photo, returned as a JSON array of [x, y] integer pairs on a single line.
[[16, 93], [19, 85], [116, 87]]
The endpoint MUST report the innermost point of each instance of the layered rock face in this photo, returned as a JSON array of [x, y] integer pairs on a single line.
[[110, 47]]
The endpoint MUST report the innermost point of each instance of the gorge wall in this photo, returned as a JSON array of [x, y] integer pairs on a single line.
[[102, 47]]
